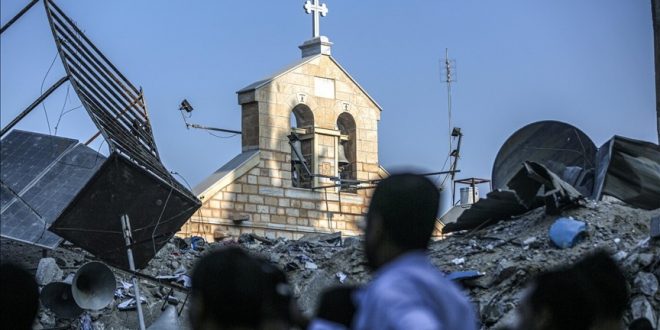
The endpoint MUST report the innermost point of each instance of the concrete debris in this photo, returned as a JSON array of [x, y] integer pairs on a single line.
[[332, 239], [621, 255], [86, 322], [48, 271], [130, 304], [640, 307], [458, 261], [647, 283], [492, 312], [502, 255], [645, 259], [529, 241], [47, 320]]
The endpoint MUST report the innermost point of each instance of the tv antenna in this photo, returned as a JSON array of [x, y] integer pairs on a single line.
[[449, 77], [449, 73]]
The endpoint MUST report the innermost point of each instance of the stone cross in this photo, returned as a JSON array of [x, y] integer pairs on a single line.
[[316, 9]]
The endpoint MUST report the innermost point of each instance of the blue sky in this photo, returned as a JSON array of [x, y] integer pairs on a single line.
[[589, 63]]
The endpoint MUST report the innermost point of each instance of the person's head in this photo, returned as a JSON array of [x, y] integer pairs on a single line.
[[337, 305], [234, 290], [19, 297], [401, 217], [557, 299], [641, 323], [592, 294], [609, 289]]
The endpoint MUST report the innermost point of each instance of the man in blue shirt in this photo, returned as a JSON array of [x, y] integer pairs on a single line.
[[407, 291]]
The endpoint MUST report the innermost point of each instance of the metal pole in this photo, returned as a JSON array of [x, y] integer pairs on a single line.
[[33, 105], [20, 13], [655, 14], [212, 128], [126, 228]]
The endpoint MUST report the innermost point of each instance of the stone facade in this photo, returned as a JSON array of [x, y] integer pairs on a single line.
[[259, 193]]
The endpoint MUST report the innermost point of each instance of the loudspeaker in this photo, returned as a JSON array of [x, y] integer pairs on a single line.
[[94, 285], [58, 297]]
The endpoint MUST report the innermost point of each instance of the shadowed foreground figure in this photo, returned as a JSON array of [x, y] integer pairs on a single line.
[[19, 298], [590, 295], [336, 309], [407, 292], [234, 290]]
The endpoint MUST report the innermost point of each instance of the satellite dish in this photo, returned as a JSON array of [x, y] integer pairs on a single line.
[[562, 148]]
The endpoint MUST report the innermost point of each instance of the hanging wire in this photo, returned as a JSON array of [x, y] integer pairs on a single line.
[[66, 98], [162, 211], [188, 231], [43, 81], [221, 137]]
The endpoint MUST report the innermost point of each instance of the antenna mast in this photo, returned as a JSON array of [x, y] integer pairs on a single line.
[[449, 67], [454, 132]]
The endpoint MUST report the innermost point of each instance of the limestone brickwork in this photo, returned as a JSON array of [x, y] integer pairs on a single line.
[[257, 193]]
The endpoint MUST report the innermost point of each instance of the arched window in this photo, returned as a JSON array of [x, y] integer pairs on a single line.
[[302, 117], [347, 144], [302, 146]]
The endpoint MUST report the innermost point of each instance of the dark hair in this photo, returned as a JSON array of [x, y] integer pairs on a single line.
[[408, 205], [577, 296], [19, 297], [336, 304], [238, 289], [641, 323], [608, 283], [565, 295]]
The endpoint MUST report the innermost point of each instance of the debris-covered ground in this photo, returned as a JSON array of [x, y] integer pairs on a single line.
[[508, 254]]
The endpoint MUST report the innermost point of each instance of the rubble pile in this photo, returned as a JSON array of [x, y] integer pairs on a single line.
[[498, 261], [510, 253]]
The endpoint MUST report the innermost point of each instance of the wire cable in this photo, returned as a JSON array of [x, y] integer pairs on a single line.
[[59, 119], [221, 137], [43, 81]]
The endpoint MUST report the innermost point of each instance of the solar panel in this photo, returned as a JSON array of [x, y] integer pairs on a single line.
[[76, 193], [41, 175]]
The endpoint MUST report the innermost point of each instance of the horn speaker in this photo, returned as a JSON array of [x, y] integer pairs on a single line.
[[57, 297], [94, 285]]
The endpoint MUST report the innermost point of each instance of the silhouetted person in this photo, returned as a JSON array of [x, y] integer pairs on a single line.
[[407, 291], [590, 295], [234, 290], [19, 298], [641, 323], [336, 309]]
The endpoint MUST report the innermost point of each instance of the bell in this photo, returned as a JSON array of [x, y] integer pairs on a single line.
[[296, 152], [342, 160]]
